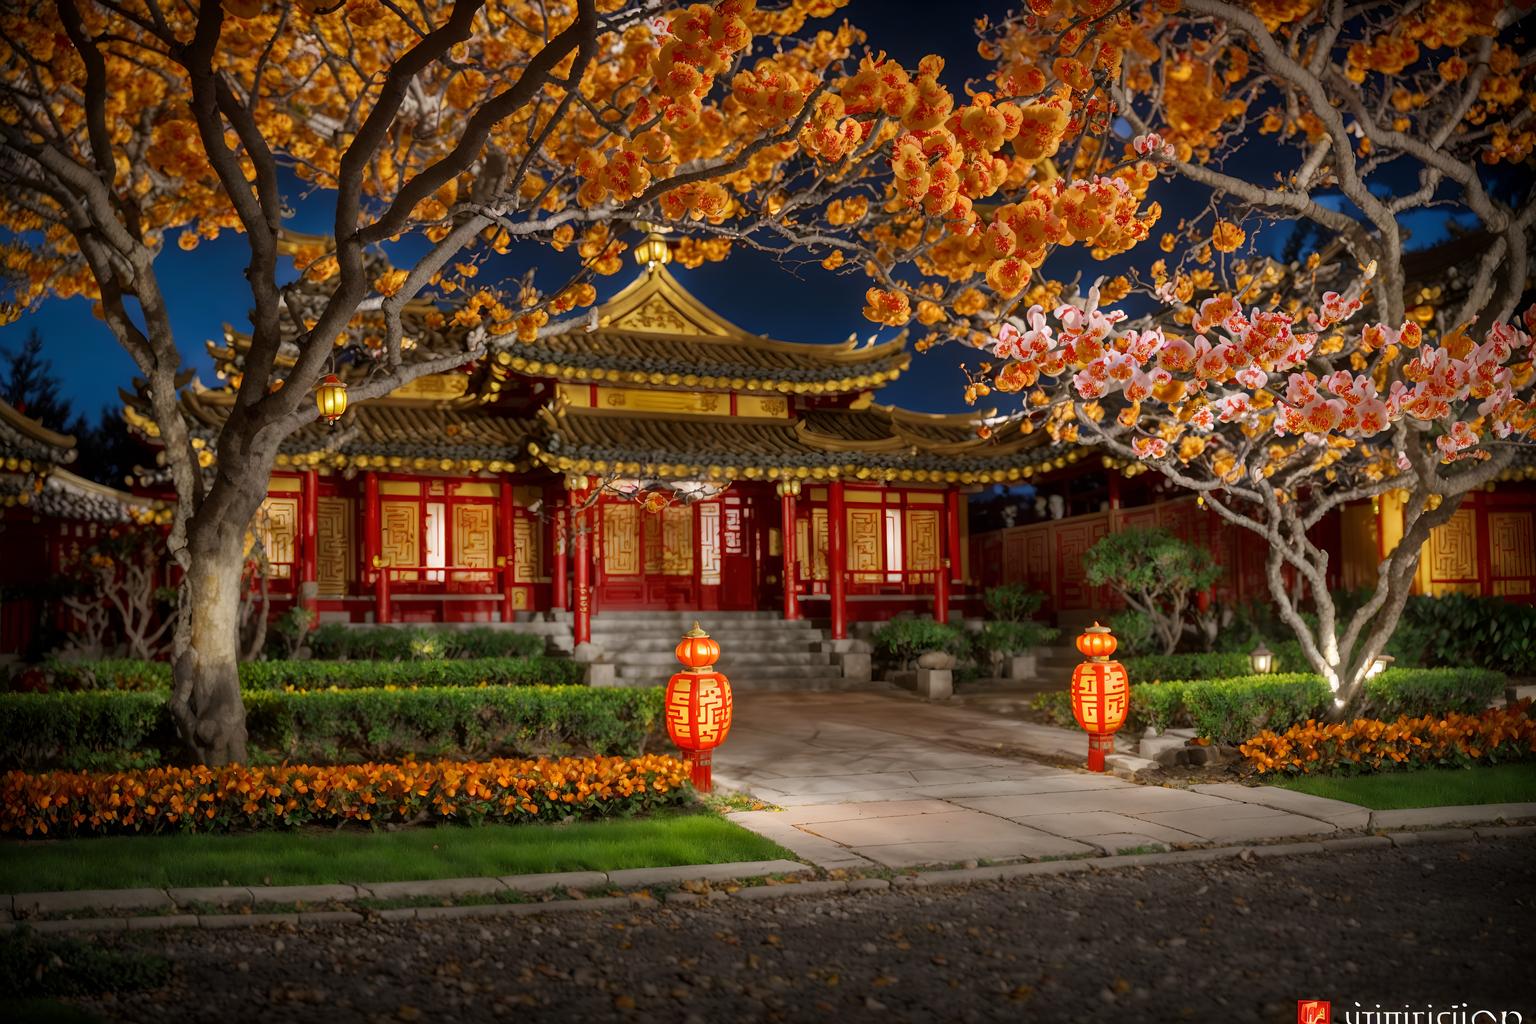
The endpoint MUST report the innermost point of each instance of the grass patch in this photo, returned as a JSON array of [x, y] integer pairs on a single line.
[[1424, 787], [316, 858]]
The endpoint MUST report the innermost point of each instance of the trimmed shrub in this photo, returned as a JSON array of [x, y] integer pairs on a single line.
[[407, 643], [904, 639], [147, 676], [109, 729], [1005, 639], [1367, 745], [1460, 629], [1234, 709], [288, 796]]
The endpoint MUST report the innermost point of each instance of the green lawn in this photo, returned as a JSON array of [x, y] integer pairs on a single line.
[[306, 858], [1425, 787]]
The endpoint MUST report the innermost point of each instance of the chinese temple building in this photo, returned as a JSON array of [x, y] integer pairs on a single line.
[[658, 457]]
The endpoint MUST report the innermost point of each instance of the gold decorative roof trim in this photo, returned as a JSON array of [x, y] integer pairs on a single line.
[[535, 368], [32, 429]]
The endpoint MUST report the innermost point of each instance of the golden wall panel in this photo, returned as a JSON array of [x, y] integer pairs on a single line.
[[866, 543], [279, 525], [285, 484], [621, 539], [1452, 550], [818, 546], [872, 497], [400, 540], [817, 493], [525, 551], [925, 497], [399, 486], [703, 403], [437, 387], [335, 560], [1512, 545], [474, 540], [922, 540], [709, 544], [677, 541], [577, 395], [476, 489]]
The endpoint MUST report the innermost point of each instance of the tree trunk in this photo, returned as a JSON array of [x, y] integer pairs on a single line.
[[206, 699]]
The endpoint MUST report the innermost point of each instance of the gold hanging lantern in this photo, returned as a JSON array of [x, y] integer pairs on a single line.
[[331, 398]]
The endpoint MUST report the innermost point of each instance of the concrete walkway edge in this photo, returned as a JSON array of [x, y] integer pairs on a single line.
[[794, 887]]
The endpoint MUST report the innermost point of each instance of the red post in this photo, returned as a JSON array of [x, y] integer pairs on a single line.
[[941, 578], [583, 556], [837, 560], [505, 511], [787, 544], [952, 507], [559, 573], [308, 593], [371, 546], [381, 596]]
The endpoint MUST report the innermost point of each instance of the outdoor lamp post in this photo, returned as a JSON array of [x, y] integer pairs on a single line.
[[1100, 693], [1262, 659], [331, 398], [698, 704], [1379, 664]]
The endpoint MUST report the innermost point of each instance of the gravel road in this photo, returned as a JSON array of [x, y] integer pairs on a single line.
[[1230, 941]]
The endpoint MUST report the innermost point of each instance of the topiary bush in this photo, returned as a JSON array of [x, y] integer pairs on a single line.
[[902, 640], [110, 730], [1156, 574], [417, 643]]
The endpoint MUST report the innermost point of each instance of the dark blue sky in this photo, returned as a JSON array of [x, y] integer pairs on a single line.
[[207, 289]]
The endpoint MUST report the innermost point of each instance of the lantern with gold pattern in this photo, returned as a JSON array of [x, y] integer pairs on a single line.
[[331, 398], [1101, 693], [698, 704]]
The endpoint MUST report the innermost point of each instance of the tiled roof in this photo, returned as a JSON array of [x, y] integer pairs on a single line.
[[24, 439]]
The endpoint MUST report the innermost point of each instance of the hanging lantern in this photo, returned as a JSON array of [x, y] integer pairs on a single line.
[[1101, 693], [698, 704], [1262, 659], [331, 398]]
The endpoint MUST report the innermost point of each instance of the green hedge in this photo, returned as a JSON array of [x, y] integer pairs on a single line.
[[144, 676], [1236, 709], [1152, 668], [107, 729], [905, 639], [418, 643], [1461, 629]]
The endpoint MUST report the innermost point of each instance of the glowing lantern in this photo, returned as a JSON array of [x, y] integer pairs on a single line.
[[1379, 664], [331, 398], [698, 704], [1262, 659], [1101, 693]]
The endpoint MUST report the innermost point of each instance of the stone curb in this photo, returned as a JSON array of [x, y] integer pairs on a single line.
[[1468, 814], [718, 872]]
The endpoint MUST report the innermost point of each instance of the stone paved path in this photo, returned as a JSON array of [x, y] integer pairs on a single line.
[[868, 777]]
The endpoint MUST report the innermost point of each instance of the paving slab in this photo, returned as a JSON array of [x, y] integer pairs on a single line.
[[705, 873], [908, 840], [1239, 823], [1121, 842], [1088, 824], [1339, 812], [1131, 799], [813, 813], [91, 899], [438, 888]]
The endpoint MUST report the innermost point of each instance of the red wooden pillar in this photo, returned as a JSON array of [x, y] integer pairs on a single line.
[[952, 511], [308, 593], [581, 519], [837, 560], [946, 550], [507, 553], [560, 539], [787, 542], [372, 561]]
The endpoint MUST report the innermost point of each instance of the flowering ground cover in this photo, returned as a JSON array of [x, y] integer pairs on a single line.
[[320, 857], [1369, 745], [1429, 787]]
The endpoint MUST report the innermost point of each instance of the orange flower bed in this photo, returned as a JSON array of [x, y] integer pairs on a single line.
[[1500, 734], [245, 797]]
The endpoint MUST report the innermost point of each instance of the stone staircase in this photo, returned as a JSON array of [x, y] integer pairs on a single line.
[[758, 650]]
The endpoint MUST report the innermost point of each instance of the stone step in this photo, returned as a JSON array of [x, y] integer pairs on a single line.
[[734, 659], [748, 672], [688, 616]]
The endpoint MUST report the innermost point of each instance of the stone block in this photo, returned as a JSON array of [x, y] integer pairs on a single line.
[[586, 652], [1154, 746], [936, 660], [1021, 666], [935, 683], [602, 673], [856, 666]]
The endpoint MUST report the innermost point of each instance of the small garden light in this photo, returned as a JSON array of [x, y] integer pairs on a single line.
[[331, 398], [698, 704], [1262, 659], [1101, 693], [1379, 664]]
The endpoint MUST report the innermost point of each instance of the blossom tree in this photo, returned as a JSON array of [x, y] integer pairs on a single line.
[[1278, 390]]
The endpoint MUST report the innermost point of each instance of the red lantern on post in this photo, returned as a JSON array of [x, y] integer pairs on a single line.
[[1101, 693], [698, 704]]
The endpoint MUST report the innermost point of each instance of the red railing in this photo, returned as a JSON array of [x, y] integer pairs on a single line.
[[386, 577]]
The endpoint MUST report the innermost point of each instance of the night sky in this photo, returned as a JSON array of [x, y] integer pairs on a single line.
[[792, 303]]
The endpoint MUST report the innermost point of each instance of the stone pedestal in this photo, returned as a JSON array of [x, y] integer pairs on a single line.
[[855, 665], [935, 683], [1020, 666], [602, 673]]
